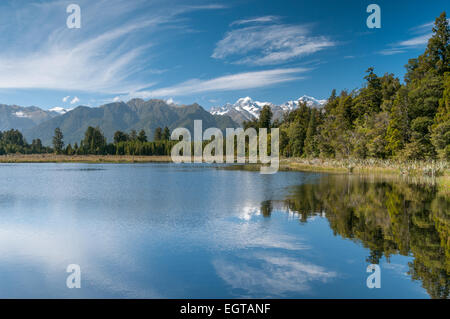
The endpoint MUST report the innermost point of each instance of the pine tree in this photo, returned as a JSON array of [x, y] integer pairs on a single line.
[[120, 136], [265, 117], [158, 134], [310, 148], [142, 137], [58, 142], [441, 128]]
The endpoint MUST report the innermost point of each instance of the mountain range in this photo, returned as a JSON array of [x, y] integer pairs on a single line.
[[135, 114], [22, 118], [245, 109]]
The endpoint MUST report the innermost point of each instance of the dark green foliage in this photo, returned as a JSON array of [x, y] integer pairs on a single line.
[[158, 134], [120, 136], [12, 142], [384, 119], [58, 142], [142, 137], [265, 118], [94, 142]]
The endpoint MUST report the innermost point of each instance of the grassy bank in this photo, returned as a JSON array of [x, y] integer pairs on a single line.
[[52, 158], [412, 171], [410, 168], [414, 168]]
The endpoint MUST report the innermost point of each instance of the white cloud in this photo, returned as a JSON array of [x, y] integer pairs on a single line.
[[66, 98], [390, 51], [116, 99], [239, 81], [269, 44], [276, 275], [263, 19], [106, 55], [75, 100], [414, 42]]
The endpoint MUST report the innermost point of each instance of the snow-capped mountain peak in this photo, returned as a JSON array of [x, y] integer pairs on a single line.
[[311, 101], [59, 110], [246, 109]]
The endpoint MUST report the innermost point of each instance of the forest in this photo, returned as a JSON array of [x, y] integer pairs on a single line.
[[384, 119]]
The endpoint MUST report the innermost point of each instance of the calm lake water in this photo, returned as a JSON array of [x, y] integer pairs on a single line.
[[185, 231]]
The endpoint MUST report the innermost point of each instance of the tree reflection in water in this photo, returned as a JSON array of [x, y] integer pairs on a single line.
[[387, 216]]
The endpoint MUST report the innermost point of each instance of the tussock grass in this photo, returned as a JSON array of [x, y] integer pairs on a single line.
[[419, 168], [52, 158]]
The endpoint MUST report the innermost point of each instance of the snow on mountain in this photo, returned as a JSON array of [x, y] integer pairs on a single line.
[[59, 110], [21, 114], [245, 109], [311, 101]]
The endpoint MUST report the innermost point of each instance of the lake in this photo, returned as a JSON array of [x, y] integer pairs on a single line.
[[195, 231]]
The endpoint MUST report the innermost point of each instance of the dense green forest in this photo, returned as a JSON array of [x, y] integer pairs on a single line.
[[12, 141], [134, 143], [94, 142], [384, 119]]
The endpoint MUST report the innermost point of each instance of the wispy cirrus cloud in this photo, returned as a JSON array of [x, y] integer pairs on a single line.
[[268, 44], [238, 81], [422, 33], [263, 19], [109, 54], [416, 41]]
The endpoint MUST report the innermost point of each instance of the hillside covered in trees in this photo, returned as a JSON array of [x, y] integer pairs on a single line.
[[385, 118]]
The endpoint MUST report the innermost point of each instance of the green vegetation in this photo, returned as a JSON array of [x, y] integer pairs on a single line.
[[385, 119], [12, 142], [94, 143], [398, 216]]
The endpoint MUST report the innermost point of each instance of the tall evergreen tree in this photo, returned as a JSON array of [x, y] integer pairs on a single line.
[[142, 137], [120, 136], [94, 142], [265, 117], [58, 142], [441, 127], [158, 134]]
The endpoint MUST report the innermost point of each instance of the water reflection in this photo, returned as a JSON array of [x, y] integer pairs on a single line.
[[168, 231], [387, 217], [267, 275]]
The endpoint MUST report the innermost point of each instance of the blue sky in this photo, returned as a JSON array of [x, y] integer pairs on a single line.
[[209, 52]]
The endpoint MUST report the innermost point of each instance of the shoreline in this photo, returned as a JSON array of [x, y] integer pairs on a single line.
[[89, 159], [425, 168], [440, 171]]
